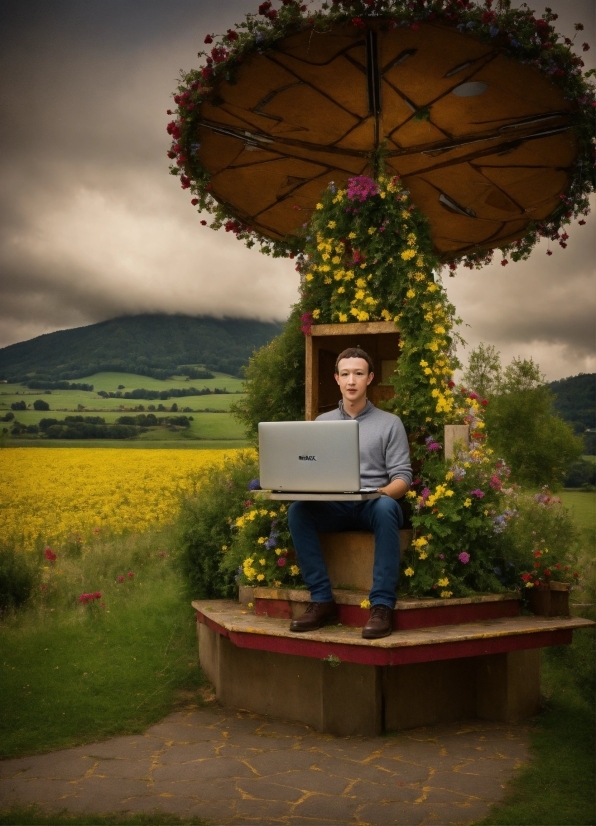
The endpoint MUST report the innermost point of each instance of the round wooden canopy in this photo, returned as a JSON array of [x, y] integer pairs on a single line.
[[483, 143]]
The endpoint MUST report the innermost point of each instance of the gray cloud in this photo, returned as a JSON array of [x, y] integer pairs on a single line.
[[92, 226]]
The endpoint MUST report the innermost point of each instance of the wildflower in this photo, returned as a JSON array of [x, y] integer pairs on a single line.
[[130, 575], [446, 594], [365, 603], [464, 558], [409, 572], [294, 570], [479, 494], [49, 554], [281, 561], [442, 583], [260, 577]]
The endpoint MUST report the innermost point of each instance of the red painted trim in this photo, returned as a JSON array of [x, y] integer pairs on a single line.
[[367, 654], [274, 608], [356, 617], [454, 614]]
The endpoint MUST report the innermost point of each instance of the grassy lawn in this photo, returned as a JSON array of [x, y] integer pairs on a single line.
[[582, 504], [74, 673]]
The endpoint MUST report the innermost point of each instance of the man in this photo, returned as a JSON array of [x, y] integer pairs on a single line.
[[385, 465]]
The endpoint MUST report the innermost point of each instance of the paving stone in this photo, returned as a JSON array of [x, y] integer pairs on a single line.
[[386, 792], [402, 771], [275, 762], [479, 786], [352, 770], [392, 812], [36, 790], [222, 789], [206, 769], [259, 789], [328, 806], [263, 811], [313, 781], [133, 748], [113, 767], [188, 752]]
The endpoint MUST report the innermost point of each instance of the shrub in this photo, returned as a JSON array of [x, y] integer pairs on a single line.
[[274, 381], [206, 523], [19, 405], [18, 577], [581, 474], [39, 404]]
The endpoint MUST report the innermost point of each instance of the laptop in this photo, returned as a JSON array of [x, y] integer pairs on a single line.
[[312, 460]]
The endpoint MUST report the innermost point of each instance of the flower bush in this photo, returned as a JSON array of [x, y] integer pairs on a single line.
[[519, 32], [368, 257]]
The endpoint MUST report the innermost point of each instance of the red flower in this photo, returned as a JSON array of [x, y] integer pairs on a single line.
[[451, 384], [195, 201], [549, 252], [204, 223], [585, 47], [484, 402], [130, 575], [231, 35], [415, 27], [50, 555], [576, 575], [504, 262], [120, 579], [208, 39]]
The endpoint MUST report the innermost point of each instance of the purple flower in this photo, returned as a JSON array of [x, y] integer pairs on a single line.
[[477, 493], [254, 484], [464, 558], [433, 446], [361, 187]]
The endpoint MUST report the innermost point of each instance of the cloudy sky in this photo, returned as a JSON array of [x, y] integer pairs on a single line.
[[92, 226]]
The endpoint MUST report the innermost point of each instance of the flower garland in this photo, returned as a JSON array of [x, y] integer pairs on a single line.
[[527, 38], [368, 257]]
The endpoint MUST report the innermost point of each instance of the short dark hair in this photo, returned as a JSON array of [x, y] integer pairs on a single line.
[[354, 353]]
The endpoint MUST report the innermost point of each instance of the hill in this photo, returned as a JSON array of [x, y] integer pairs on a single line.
[[576, 400], [149, 345]]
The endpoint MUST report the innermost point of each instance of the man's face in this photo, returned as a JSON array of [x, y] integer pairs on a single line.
[[353, 379]]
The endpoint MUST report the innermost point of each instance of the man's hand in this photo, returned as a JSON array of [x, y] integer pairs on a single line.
[[395, 489]]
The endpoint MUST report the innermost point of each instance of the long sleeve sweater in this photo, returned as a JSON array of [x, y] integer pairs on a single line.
[[384, 449]]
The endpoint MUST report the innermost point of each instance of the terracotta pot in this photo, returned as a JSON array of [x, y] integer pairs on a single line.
[[550, 600]]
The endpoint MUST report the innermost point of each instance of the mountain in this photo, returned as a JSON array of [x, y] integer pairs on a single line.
[[150, 345]]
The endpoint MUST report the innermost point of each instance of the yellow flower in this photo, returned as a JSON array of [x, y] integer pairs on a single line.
[[407, 254], [372, 230], [467, 503], [409, 572], [309, 276], [424, 363], [449, 492], [224, 547], [360, 282], [343, 318], [449, 476], [529, 584], [352, 235], [331, 224], [359, 294], [250, 605], [294, 570], [422, 555], [442, 583], [411, 494], [336, 259], [410, 294], [386, 315], [365, 603], [262, 561], [446, 594], [260, 577], [316, 313], [341, 290], [319, 206]]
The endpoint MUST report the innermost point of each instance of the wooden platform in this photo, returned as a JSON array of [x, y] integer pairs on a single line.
[[339, 683]]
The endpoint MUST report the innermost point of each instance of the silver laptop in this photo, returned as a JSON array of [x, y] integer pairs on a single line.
[[311, 460]]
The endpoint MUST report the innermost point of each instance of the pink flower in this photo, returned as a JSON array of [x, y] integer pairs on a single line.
[[281, 561], [479, 494], [50, 555], [120, 579], [130, 575], [464, 558]]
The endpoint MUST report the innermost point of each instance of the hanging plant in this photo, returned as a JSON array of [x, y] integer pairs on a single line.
[[516, 32]]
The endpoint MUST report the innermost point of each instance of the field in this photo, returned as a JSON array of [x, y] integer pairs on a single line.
[[207, 425], [49, 496]]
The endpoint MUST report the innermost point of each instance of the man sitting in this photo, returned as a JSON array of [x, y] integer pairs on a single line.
[[385, 465]]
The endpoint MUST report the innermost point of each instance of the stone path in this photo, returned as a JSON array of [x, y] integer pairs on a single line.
[[237, 768]]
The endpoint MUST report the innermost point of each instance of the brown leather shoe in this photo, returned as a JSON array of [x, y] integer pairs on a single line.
[[379, 623], [316, 615]]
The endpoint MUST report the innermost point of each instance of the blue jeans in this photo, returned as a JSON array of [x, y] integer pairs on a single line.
[[382, 516]]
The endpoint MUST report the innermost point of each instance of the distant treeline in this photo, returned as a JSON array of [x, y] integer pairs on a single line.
[[35, 384], [95, 427], [173, 393]]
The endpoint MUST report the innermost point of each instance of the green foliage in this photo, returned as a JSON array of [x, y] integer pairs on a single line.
[[207, 522], [34, 816], [40, 404], [150, 345], [581, 474], [575, 401], [18, 577], [274, 387], [261, 551], [536, 444], [483, 373]]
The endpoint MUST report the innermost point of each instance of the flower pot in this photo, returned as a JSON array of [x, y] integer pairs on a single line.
[[550, 600]]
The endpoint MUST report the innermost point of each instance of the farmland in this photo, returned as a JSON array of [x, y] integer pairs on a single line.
[[211, 420]]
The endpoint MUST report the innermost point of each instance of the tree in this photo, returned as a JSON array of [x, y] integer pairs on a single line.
[[274, 387], [39, 404], [520, 375], [483, 374], [19, 405], [536, 444]]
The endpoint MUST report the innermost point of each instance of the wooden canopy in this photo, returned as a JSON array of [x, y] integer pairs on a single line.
[[483, 142]]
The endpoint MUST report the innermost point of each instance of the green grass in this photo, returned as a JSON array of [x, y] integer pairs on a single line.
[[582, 504], [73, 674], [173, 444]]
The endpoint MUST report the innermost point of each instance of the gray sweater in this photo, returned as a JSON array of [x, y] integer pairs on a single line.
[[384, 449]]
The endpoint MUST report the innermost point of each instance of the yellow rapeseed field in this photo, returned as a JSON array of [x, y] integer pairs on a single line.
[[52, 494]]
